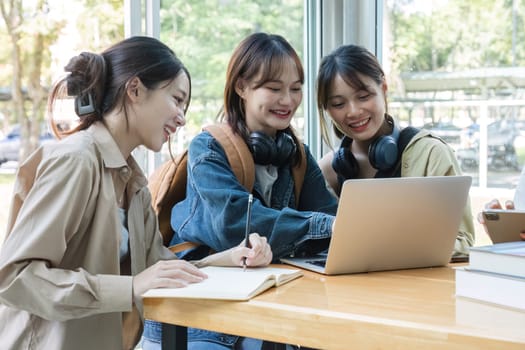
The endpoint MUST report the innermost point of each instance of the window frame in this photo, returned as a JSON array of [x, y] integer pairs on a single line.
[[326, 26]]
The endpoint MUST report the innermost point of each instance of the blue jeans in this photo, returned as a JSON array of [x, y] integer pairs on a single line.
[[199, 339], [243, 344]]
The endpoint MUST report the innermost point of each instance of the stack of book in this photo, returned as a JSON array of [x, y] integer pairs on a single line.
[[495, 274]]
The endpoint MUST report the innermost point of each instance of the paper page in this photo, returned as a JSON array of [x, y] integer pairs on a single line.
[[229, 283]]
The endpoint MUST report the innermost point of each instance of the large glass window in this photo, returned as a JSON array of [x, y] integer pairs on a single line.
[[204, 35], [458, 68]]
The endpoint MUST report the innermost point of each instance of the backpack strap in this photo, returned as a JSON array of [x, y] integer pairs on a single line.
[[404, 139], [405, 136], [180, 247], [239, 156], [167, 185], [298, 172]]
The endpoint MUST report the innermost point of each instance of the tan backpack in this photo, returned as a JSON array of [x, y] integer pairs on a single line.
[[167, 183]]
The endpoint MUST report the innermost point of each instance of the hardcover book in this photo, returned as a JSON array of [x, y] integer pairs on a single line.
[[474, 313], [504, 258], [503, 290]]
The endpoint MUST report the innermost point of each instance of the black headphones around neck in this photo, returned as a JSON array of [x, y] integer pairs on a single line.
[[267, 150], [382, 154]]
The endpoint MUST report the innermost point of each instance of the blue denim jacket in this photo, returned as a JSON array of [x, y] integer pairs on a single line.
[[213, 213]]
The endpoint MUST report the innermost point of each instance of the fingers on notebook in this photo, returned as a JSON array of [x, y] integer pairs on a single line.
[[166, 274], [175, 272]]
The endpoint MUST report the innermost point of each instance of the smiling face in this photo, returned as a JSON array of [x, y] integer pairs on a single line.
[[359, 114], [159, 112], [271, 106]]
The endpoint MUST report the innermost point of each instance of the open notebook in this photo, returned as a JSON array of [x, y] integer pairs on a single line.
[[391, 224], [230, 283]]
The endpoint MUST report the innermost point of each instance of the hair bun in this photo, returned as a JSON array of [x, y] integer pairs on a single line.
[[83, 71]]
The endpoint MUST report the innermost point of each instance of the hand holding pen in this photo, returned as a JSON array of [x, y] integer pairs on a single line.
[[247, 229], [253, 251]]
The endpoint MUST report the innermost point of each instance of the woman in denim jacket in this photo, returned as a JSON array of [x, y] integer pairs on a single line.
[[263, 91]]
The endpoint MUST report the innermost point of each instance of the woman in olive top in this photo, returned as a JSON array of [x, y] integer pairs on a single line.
[[351, 94]]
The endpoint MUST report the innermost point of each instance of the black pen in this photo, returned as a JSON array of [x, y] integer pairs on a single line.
[[247, 230]]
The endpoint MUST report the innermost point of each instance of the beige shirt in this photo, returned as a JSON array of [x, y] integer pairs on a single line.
[[61, 283], [426, 155]]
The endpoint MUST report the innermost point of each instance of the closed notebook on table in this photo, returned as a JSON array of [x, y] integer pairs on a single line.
[[230, 283], [505, 258], [498, 289], [477, 313]]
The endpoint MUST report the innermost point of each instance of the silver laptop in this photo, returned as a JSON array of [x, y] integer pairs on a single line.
[[392, 224]]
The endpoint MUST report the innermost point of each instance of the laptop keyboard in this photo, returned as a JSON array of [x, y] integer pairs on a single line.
[[321, 263]]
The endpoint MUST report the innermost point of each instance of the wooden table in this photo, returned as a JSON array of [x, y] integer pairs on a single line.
[[408, 309]]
